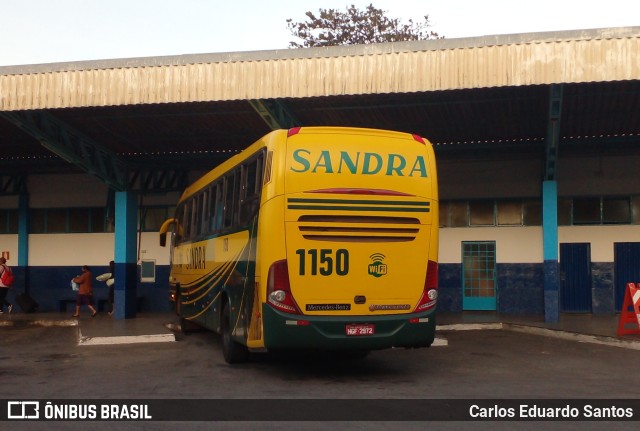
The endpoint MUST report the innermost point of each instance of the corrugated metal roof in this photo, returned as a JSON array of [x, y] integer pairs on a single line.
[[602, 55]]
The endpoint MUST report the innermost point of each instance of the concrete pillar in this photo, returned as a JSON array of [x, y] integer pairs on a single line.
[[23, 238], [550, 251], [126, 264]]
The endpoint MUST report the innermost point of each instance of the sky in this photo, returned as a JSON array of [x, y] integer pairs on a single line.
[[51, 31]]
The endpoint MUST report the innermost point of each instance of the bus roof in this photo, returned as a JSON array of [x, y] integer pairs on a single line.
[[227, 165]]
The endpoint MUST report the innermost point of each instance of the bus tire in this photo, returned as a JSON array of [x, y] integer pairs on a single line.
[[233, 352]]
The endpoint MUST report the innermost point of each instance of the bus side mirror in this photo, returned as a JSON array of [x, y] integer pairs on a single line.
[[168, 226]]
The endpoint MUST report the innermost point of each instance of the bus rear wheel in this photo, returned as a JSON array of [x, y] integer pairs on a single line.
[[233, 352]]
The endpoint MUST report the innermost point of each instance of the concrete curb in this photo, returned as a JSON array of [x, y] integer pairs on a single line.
[[124, 339], [440, 342], [574, 336], [42, 322], [545, 332], [469, 327]]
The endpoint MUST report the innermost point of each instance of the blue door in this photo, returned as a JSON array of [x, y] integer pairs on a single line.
[[479, 275], [575, 278], [626, 256]]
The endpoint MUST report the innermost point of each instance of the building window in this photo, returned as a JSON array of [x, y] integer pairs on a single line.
[[509, 213], [79, 220], [89, 220], [635, 209], [481, 213], [528, 212], [458, 214], [532, 210], [151, 218], [564, 212], [99, 220], [444, 214], [56, 220], [8, 221], [616, 211], [37, 221], [586, 211]]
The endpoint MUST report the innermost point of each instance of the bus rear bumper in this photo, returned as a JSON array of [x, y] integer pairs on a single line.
[[295, 332]]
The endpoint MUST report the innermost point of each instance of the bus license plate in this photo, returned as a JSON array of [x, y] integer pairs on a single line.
[[363, 329]]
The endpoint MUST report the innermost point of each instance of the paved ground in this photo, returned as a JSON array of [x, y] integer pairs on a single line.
[[47, 362]]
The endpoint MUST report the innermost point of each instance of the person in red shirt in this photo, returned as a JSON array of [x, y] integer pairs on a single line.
[[85, 291], [4, 289]]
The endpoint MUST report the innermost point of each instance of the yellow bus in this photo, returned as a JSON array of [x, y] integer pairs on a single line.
[[311, 238]]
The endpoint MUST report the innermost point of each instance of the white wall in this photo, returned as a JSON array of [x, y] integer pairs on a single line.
[[601, 238], [95, 249], [9, 244], [513, 244], [524, 244]]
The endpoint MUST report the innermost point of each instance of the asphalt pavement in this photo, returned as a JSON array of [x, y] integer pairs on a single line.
[[162, 327]]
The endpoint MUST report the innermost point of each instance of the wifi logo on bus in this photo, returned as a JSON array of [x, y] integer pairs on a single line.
[[377, 267]]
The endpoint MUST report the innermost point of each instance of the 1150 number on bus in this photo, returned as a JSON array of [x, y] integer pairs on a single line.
[[323, 261]]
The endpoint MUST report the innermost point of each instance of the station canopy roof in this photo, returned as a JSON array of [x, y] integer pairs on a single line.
[[474, 97]]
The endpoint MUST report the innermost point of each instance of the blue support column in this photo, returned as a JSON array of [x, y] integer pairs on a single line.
[[550, 250], [23, 236], [126, 265], [23, 230]]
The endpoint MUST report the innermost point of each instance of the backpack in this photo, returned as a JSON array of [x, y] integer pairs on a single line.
[[7, 277]]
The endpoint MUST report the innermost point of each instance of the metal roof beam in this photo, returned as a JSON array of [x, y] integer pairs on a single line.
[[275, 113], [12, 185], [553, 131], [158, 180], [72, 145]]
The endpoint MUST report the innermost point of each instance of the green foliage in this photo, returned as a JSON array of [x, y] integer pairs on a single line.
[[333, 27]]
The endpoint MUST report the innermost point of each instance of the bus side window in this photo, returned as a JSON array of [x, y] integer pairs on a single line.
[[193, 220], [186, 216], [197, 205], [177, 228], [251, 186], [229, 199], [215, 208], [204, 225]]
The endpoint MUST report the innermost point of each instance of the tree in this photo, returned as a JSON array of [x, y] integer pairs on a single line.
[[333, 27]]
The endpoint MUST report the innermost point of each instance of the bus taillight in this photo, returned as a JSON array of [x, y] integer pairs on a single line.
[[429, 296], [279, 290]]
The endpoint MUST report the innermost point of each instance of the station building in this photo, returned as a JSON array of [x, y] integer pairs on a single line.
[[537, 138]]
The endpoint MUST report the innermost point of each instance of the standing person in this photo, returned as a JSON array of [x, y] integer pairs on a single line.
[[110, 284], [4, 289], [85, 291]]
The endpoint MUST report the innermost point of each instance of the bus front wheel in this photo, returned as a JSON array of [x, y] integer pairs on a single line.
[[233, 352]]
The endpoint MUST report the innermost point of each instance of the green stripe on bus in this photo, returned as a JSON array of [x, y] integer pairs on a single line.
[[356, 202], [346, 208]]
